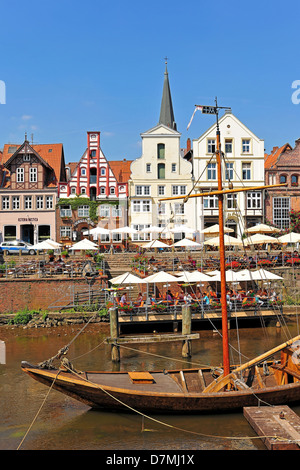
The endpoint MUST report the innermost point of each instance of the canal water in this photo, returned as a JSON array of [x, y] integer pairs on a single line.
[[32, 420]]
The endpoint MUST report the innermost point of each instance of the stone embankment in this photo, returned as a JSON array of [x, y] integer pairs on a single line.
[[55, 319]]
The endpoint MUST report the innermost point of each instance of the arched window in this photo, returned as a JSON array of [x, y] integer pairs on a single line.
[[161, 171], [294, 180], [282, 179], [160, 150]]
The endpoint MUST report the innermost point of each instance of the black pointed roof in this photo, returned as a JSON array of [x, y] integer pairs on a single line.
[[166, 110]]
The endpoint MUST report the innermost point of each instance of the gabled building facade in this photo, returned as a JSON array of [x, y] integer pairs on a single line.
[[282, 165], [160, 172], [95, 194], [243, 167], [28, 193]]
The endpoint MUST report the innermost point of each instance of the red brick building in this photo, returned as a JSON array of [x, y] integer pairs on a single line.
[[282, 165]]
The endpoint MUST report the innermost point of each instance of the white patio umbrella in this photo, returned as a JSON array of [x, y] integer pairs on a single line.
[[228, 241], [262, 228], [187, 243], [291, 237], [84, 245], [44, 245], [52, 242], [156, 244], [263, 275], [259, 238], [161, 276], [127, 278], [194, 276], [231, 276], [215, 229]]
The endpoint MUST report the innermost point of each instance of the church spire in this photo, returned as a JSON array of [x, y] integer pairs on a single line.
[[166, 109]]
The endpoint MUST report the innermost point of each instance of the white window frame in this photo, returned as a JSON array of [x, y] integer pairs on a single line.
[[211, 146], [246, 145], [161, 190], [229, 171], [32, 175], [27, 202], [20, 175], [246, 171], [254, 200], [281, 211], [65, 211], [65, 231], [83, 211], [39, 202], [5, 203], [211, 171], [16, 202], [105, 210], [210, 202], [49, 202], [142, 190], [178, 190]]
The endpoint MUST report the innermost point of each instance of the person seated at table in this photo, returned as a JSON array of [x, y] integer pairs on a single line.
[[239, 297], [206, 299], [152, 259], [123, 299], [273, 297], [51, 257], [187, 298], [258, 299], [169, 296], [139, 300]]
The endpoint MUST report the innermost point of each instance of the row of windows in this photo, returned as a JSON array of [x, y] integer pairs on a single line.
[[229, 171], [253, 201], [33, 174], [112, 190], [161, 169], [145, 190], [26, 202], [283, 179], [245, 146], [84, 211], [144, 205]]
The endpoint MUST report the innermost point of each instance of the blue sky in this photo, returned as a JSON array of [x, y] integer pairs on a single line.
[[70, 67]]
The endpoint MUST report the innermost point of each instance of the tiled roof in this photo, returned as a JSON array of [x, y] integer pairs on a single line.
[[272, 158], [53, 154], [121, 170]]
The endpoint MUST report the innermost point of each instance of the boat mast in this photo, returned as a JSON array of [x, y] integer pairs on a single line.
[[226, 362]]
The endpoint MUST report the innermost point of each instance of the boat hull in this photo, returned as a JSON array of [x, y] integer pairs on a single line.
[[97, 394]]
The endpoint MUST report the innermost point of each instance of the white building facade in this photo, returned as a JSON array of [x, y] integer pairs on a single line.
[[243, 167], [161, 172]]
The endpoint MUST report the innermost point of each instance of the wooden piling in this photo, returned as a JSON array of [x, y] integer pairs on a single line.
[[114, 334], [186, 330]]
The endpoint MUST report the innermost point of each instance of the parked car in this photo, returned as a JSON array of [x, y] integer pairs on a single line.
[[15, 246]]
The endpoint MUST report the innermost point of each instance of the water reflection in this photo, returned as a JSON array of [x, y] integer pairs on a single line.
[[64, 423]]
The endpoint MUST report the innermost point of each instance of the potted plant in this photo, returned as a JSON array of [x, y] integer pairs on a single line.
[[2, 269], [65, 254]]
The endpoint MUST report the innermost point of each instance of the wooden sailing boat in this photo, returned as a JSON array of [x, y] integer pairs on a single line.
[[259, 381]]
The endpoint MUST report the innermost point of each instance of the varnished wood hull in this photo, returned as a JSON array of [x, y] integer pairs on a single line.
[[106, 390]]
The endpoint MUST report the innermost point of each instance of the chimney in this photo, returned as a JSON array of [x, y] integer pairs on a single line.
[[188, 145]]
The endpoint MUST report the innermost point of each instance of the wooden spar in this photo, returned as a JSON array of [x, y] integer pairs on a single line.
[[222, 380], [224, 191], [226, 363]]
